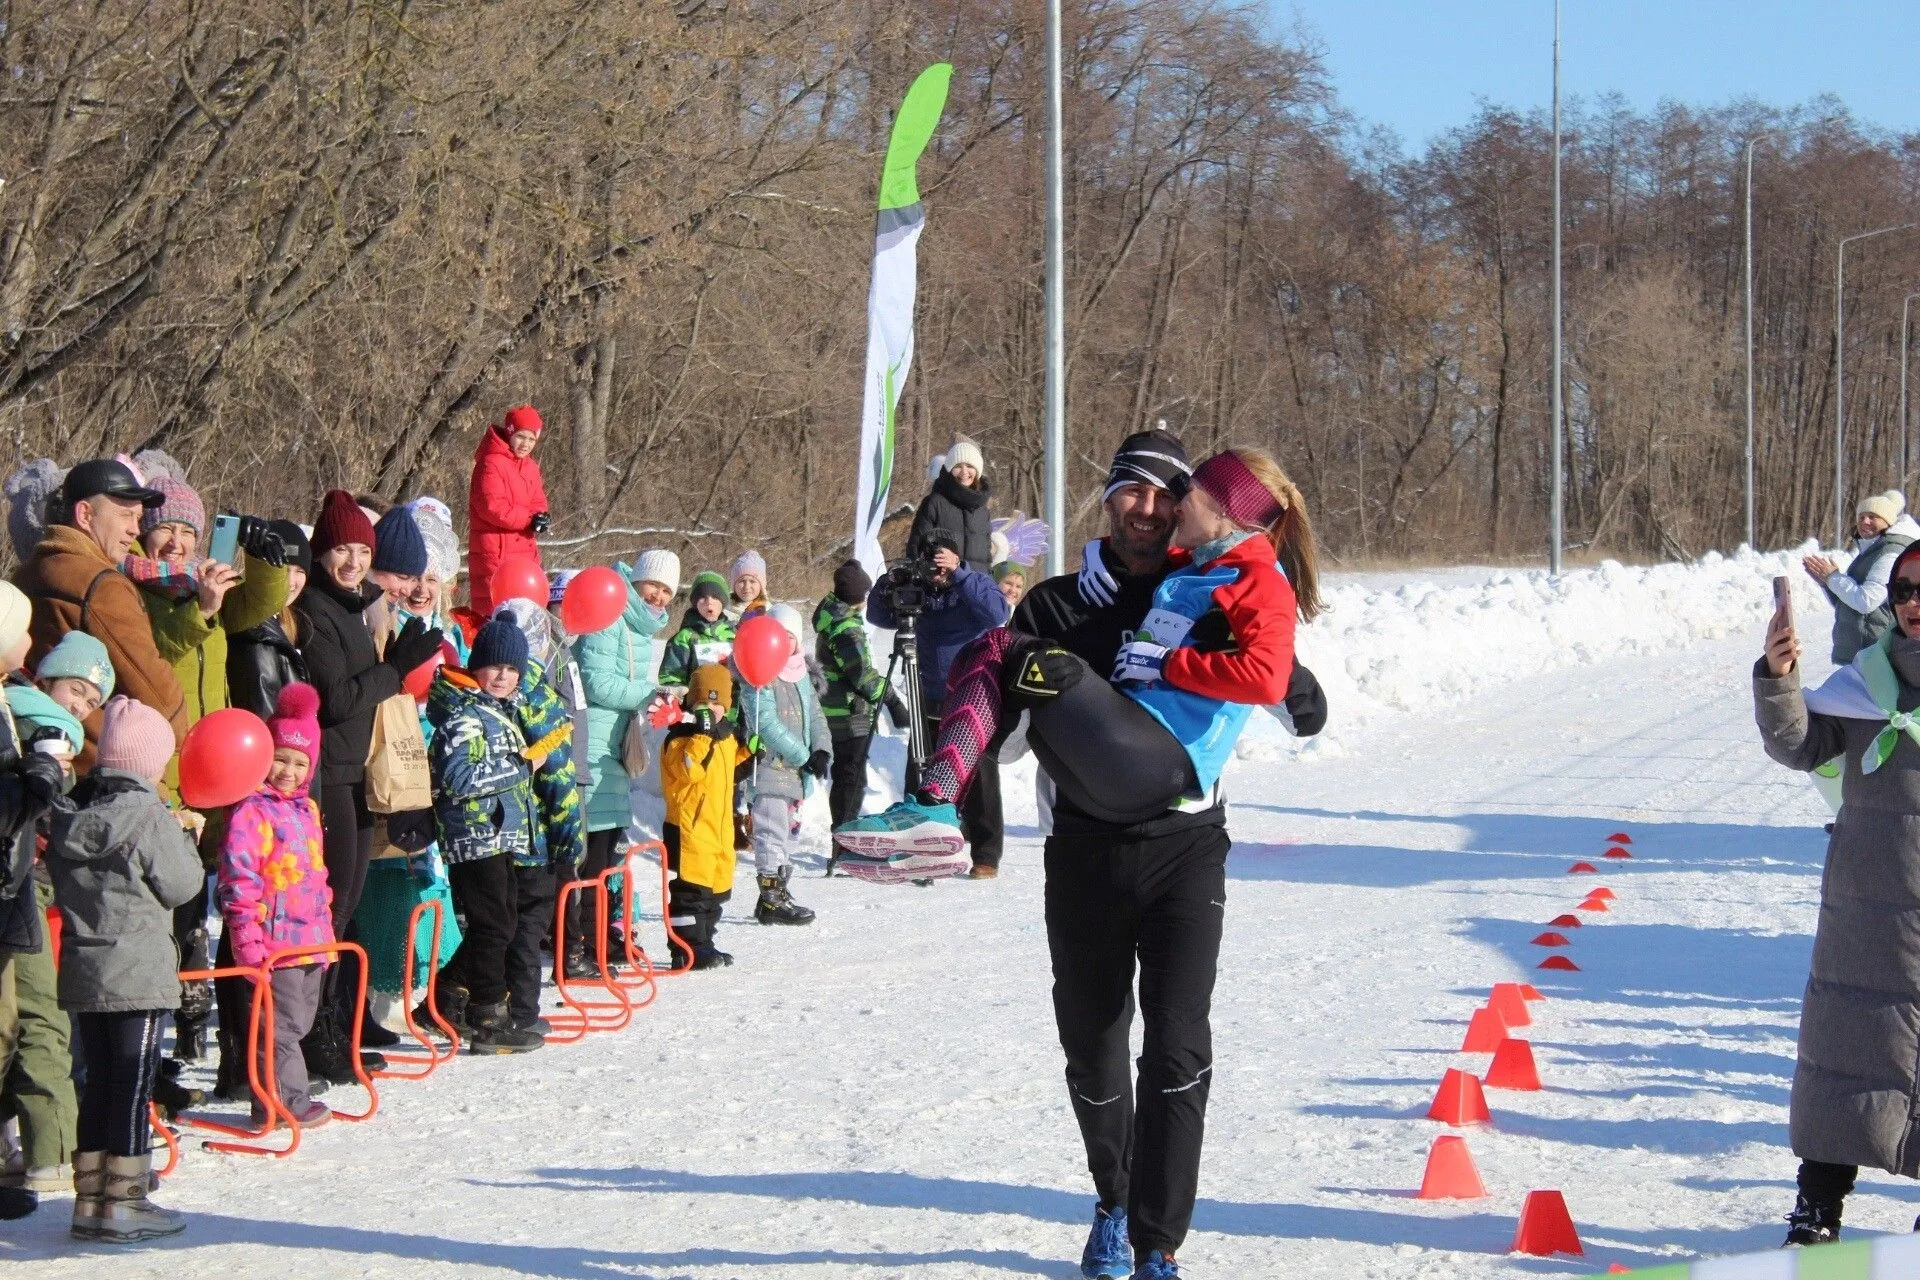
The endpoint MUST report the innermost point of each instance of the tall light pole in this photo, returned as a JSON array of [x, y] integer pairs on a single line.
[[1554, 514], [1748, 259], [1839, 377], [1905, 304], [1056, 341]]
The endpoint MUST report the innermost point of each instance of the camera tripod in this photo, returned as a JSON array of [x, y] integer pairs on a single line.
[[903, 677]]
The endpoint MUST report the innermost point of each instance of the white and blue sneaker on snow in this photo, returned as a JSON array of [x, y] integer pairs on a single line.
[[1107, 1256], [907, 841]]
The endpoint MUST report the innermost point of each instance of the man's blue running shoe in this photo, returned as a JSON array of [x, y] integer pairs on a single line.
[[908, 827], [1107, 1256], [1158, 1266]]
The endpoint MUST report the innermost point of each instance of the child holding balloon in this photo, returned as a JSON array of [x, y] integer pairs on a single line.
[[120, 865]]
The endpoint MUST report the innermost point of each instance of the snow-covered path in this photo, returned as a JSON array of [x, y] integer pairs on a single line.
[[881, 1095]]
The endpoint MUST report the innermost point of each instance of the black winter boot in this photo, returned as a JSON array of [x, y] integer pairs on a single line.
[[494, 1031], [1814, 1222], [580, 967], [776, 904], [230, 1082], [172, 1097], [452, 1003], [711, 958]]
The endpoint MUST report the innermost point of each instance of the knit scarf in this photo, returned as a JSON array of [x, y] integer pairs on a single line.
[[163, 578]]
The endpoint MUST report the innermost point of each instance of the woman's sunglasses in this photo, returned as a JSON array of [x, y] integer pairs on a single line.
[[1903, 592]]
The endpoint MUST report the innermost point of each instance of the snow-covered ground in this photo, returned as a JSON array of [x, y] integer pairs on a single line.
[[880, 1095]]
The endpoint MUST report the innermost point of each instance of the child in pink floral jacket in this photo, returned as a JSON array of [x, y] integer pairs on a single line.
[[273, 890]]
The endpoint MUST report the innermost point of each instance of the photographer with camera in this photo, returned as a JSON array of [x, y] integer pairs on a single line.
[[947, 604]]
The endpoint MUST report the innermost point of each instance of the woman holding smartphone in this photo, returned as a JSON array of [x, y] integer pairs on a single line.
[[1855, 1100]]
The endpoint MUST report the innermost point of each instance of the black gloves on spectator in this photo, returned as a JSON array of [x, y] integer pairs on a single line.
[[540, 523], [897, 710], [413, 646], [820, 765], [42, 775], [261, 543]]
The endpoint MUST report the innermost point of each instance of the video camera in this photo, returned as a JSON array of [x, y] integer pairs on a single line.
[[906, 585]]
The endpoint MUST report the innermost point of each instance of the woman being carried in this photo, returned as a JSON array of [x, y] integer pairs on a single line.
[[1217, 643]]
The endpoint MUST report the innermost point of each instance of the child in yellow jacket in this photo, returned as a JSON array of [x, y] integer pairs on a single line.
[[697, 763]]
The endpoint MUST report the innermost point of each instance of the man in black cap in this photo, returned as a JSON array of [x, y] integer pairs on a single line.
[[73, 578], [1147, 895]]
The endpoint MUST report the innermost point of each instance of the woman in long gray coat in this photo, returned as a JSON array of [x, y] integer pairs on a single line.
[[1856, 1100]]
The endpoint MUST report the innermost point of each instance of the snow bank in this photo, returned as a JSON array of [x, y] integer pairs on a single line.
[[1388, 645]]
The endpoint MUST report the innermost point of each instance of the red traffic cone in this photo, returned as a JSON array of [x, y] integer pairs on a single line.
[[1485, 1032], [1558, 962], [1530, 992], [1616, 852], [1507, 1001], [1459, 1100], [1615, 1269], [1513, 1067], [1551, 939], [1593, 904], [1619, 837], [1450, 1173], [1603, 892], [1546, 1227], [1581, 868], [1564, 921]]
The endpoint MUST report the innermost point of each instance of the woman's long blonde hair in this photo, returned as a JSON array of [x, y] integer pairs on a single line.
[[1292, 534]]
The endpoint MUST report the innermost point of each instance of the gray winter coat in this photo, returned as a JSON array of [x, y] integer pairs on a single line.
[[786, 717], [120, 865], [1855, 1098]]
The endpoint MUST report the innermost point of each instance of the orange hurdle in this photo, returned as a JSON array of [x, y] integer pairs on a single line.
[[636, 958], [336, 950], [666, 917], [584, 1017], [435, 1055], [259, 1047], [166, 1137]]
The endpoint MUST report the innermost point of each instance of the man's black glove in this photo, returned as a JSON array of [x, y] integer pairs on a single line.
[[1042, 671], [42, 776], [820, 765], [897, 711], [540, 523], [261, 543], [412, 646]]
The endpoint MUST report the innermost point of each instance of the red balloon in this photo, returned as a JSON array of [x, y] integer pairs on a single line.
[[420, 679], [224, 759], [760, 648], [594, 601], [520, 578]]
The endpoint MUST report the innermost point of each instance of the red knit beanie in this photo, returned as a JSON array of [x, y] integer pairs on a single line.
[[341, 521], [524, 418]]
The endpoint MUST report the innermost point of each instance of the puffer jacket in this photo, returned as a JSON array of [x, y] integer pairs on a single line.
[[855, 686], [344, 664], [616, 667], [1856, 1099], [696, 777], [261, 661], [504, 494], [120, 864], [952, 508], [697, 643], [272, 881], [20, 813], [547, 726], [483, 801], [785, 716]]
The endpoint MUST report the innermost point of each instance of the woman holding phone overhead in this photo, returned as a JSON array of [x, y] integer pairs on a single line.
[[1854, 1096]]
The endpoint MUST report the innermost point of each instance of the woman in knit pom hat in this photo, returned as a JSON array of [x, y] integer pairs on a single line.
[[506, 503], [353, 678], [1858, 593], [617, 671], [120, 864], [957, 505]]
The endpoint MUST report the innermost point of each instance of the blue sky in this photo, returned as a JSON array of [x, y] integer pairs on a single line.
[[1419, 66]]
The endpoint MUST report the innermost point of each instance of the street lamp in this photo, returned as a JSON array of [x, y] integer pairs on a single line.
[[1905, 303], [1748, 257], [1839, 377]]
